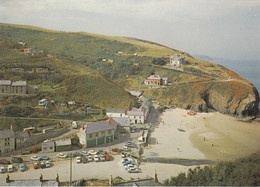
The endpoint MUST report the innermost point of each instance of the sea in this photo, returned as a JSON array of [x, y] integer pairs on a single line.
[[248, 69]]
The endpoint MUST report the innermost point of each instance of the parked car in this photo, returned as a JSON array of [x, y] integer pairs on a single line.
[[78, 159], [84, 160], [44, 157], [102, 158], [35, 158], [10, 168], [17, 160], [22, 167], [133, 170], [96, 158], [42, 164], [61, 155], [108, 157], [85, 152], [71, 155], [78, 153], [74, 125], [133, 129], [48, 164], [90, 159], [2, 169], [35, 165], [92, 152], [4, 161]]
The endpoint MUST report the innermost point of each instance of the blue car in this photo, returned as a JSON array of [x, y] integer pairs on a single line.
[[44, 157], [22, 167]]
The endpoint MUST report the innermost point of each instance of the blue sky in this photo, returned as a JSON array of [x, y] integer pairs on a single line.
[[217, 28]]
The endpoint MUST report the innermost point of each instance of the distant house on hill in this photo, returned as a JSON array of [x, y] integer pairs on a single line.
[[5, 86], [177, 60], [19, 87], [156, 80], [28, 50], [91, 135], [41, 70], [20, 70]]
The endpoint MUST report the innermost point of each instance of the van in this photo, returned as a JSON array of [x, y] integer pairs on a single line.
[[2, 169], [10, 168]]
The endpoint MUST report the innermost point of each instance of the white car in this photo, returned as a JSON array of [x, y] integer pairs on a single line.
[[35, 158], [96, 158], [92, 152], [78, 159], [2, 169], [102, 158], [84, 152], [61, 155], [90, 159], [48, 164]]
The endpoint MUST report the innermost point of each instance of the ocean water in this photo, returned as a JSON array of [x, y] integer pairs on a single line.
[[249, 70]]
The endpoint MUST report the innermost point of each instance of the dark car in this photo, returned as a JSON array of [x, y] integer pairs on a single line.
[[17, 160], [84, 160], [4, 161]]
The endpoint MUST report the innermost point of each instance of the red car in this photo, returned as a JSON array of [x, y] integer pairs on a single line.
[[35, 165], [108, 157]]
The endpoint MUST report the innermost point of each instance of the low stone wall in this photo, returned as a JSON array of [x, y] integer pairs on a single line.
[[35, 139]]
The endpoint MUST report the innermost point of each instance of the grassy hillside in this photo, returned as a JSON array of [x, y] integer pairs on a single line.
[[93, 69]]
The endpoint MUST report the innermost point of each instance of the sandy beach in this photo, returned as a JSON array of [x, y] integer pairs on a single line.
[[211, 136]]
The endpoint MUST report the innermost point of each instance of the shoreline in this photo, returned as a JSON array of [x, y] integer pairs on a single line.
[[210, 136]]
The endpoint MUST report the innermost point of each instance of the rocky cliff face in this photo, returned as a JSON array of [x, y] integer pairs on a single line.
[[234, 98]]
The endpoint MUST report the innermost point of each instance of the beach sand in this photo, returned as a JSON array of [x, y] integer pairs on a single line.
[[211, 136]]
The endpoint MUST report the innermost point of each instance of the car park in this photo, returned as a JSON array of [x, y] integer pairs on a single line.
[[17, 160], [4, 161], [10, 168], [78, 159], [96, 158], [44, 157], [2, 169], [90, 159], [35, 158], [22, 167], [61, 155], [35, 165], [48, 164]]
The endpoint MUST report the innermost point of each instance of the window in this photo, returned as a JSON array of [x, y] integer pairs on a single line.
[[97, 134], [90, 135], [103, 132], [109, 131], [51, 147]]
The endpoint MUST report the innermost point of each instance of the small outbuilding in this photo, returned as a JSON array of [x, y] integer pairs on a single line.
[[63, 145], [48, 147]]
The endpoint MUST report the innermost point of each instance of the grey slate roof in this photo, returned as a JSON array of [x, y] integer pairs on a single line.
[[97, 127], [19, 83], [24, 134], [135, 113], [116, 110], [47, 144], [63, 142], [122, 121], [5, 82], [6, 134]]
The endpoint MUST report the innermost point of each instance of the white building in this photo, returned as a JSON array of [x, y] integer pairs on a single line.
[[116, 112], [136, 116], [177, 60]]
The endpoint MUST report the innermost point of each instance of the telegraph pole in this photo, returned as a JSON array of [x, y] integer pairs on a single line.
[[70, 169]]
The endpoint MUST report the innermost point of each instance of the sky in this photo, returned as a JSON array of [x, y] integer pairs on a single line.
[[227, 29]]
